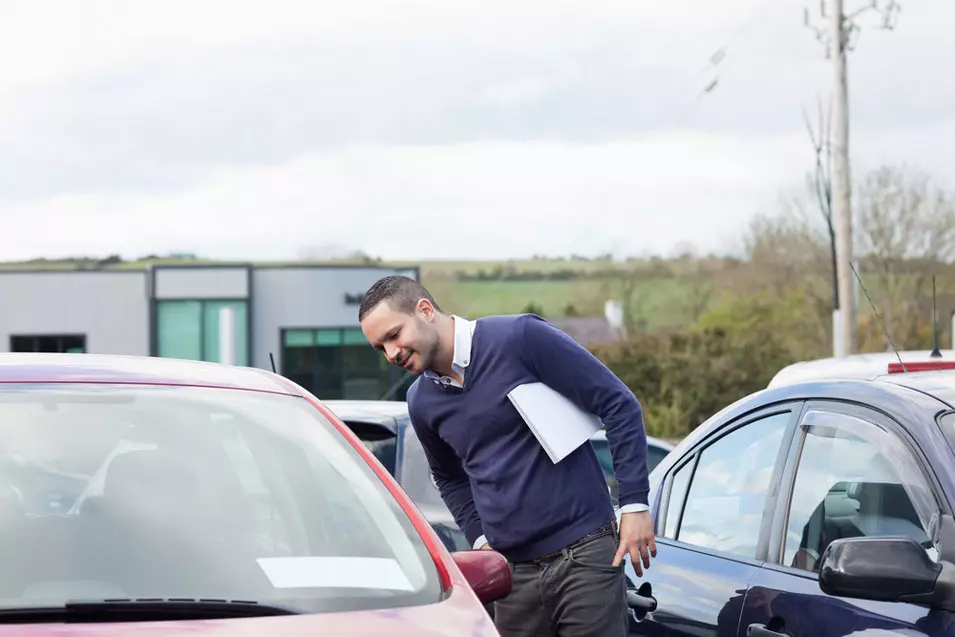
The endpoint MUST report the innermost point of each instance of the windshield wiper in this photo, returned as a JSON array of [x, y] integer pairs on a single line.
[[140, 610]]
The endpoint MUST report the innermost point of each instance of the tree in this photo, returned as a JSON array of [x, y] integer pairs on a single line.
[[906, 233], [533, 308], [683, 377], [787, 255]]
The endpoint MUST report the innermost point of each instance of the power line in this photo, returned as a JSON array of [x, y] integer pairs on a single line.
[[717, 58]]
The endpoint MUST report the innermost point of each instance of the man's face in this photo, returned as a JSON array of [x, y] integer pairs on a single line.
[[409, 341]]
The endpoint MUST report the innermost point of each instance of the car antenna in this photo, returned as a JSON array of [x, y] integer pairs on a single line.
[[935, 351], [272, 358], [878, 316]]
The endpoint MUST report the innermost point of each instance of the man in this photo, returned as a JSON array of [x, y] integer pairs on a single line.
[[554, 523]]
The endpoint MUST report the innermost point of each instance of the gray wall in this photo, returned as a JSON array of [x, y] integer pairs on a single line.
[[304, 297], [110, 308], [202, 283]]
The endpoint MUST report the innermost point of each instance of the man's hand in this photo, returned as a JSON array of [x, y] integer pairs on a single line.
[[485, 547], [636, 538]]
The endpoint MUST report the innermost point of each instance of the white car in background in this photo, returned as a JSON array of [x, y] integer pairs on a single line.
[[862, 366]]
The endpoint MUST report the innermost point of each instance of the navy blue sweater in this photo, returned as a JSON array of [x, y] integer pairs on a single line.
[[492, 472]]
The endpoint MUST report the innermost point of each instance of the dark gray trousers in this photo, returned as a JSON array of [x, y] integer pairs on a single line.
[[576, 593]]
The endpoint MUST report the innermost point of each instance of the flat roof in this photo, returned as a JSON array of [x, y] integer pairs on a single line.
[[44, 266]]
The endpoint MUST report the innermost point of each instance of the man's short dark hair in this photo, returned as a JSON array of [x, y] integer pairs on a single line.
[[401, 291]]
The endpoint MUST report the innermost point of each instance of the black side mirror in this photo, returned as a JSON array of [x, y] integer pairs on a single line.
[[885, 569]]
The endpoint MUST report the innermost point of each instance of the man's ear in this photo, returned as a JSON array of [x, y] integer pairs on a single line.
[[426, 309]]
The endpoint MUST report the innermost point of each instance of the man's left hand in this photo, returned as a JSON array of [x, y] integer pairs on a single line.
[[636, 538]]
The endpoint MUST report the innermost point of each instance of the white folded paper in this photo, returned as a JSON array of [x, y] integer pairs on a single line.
[[559, 425]]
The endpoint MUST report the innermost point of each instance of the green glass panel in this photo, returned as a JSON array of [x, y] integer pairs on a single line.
[[325, 338], [179, 329], [299, 338], [211, 319], [354, 336]]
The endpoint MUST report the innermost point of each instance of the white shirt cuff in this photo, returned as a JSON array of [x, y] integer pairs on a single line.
[[634, 508], [478, 543]]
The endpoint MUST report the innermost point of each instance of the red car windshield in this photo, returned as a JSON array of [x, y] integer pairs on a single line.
[[128, 492]]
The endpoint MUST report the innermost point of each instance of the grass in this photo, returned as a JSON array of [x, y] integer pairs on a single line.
[[655, 303]]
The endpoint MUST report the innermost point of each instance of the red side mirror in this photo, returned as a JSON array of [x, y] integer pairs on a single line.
[[487, 572]]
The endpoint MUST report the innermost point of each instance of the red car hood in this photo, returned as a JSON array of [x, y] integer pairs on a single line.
[[461, 615]]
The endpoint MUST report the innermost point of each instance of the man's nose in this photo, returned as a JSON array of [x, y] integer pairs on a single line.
[[391, 353]]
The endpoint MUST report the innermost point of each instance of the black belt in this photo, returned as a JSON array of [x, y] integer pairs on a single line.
[[607, 529]]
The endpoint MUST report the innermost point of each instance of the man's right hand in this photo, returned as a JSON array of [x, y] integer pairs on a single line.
[[486, 547]]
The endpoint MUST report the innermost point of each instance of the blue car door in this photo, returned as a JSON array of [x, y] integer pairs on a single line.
[[851, 472], [710, 525]]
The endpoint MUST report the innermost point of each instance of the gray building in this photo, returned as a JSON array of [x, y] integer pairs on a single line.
[[305, 316]]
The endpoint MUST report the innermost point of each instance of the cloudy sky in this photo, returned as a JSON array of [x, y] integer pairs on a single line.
[[435, 129]]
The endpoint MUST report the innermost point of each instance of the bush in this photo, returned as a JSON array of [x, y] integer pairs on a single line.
[[682, 378], [533, 308]]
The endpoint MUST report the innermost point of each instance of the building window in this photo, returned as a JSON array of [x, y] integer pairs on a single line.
[[338, 363], [190, 330], [55, 343]]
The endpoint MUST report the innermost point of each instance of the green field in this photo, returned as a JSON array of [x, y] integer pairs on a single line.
[[656, 302], [659, 303]]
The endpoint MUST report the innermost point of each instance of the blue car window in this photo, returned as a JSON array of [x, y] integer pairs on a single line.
[[854, 479], [724, 505]]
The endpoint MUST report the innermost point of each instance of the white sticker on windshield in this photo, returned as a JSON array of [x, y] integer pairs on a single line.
[[335, 572]]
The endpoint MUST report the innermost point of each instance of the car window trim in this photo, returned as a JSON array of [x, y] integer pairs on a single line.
[[875, 417], [939, 418], [668, 492], [702, 550], [401, 430], [795, 409]]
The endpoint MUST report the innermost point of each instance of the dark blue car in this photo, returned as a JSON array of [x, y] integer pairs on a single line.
[[818, 509]]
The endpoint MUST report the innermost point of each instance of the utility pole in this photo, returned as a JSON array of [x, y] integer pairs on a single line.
[[841, 189], [839, 37]]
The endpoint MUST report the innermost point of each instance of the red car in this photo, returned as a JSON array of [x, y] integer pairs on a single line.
[[156, 497]]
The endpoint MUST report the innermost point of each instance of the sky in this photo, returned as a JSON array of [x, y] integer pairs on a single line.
[[437, 130]]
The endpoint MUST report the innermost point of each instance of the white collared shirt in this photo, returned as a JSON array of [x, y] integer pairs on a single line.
[[460, 359]]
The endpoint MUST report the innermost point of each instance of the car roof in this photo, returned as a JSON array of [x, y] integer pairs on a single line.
[[380, 412], [657, 442], [940, 384], [911, 397], [149, 370], [858, 366]]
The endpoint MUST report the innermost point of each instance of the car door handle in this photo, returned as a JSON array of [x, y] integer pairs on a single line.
[[639, 602], [760, 630]]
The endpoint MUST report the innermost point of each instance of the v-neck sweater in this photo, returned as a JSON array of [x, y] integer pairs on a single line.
[[493, 474]]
